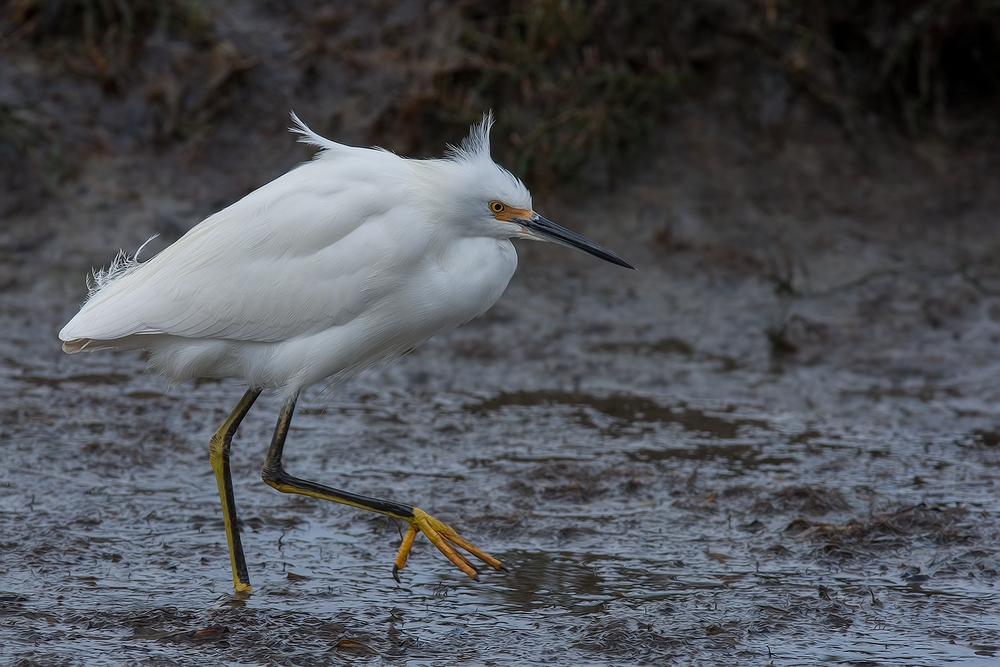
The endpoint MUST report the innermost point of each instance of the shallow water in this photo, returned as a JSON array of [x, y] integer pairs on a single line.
[[659, 494]]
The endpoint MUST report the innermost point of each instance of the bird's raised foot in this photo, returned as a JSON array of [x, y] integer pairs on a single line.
[[445, 539]]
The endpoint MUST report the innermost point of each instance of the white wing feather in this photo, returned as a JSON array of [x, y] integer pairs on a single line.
[[303, 253]]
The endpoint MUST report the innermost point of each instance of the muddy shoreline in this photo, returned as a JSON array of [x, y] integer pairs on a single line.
[[642, 521]]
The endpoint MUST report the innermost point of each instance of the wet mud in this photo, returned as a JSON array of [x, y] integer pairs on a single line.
[[658, 498]]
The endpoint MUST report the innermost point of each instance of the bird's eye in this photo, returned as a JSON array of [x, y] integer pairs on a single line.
[[498, 207]]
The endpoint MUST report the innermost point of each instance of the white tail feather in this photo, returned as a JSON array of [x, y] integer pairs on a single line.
[[122, 265]]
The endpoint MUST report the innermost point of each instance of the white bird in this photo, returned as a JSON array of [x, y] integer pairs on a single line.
[[345, 262]]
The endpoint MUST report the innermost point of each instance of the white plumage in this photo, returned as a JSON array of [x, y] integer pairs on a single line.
[[347, 261], [352, 258]]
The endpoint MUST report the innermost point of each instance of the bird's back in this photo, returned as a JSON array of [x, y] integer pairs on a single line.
[[295, 255]]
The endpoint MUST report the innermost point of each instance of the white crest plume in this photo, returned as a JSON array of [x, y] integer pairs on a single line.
[[476, 146], [308, 136]]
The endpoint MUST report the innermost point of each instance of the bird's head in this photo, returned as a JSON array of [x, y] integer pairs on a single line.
[[494, 202]]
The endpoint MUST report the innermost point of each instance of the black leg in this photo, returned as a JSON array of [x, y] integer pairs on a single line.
[[439, 533], [274, 474], [219, 449]]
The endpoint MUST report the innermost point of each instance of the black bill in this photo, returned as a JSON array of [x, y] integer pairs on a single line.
[[553, 232]]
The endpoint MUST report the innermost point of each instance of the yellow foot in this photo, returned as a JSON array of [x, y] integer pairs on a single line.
[[242, 590], [443, 537]]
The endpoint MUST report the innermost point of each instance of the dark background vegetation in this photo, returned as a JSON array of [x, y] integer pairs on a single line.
[[576, 86], [739, 138], [757, 137]]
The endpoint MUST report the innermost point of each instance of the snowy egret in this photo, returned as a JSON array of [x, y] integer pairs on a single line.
[[345, 262]]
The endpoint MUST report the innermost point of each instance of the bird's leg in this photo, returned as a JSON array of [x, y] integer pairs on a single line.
[[219, 449], [439, 533]]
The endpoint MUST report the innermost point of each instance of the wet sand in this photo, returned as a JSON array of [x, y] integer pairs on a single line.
[[664, 480]]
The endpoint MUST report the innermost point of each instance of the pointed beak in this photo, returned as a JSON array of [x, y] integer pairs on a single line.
[[549, 231]]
